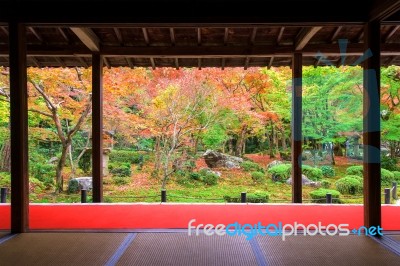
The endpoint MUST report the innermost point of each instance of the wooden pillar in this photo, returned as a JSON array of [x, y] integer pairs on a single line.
[[97, 127], [371, 124], [296, 127], [19, 129]]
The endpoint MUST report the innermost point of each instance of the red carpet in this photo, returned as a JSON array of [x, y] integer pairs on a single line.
[[136, 216]]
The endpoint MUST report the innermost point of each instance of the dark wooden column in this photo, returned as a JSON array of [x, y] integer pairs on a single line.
[[97, 127], [296, 127], [19, 129], [371, 131]]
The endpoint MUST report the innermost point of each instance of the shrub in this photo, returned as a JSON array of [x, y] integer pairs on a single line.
[[210, 179], [195, 176], [5, 179], [43, 172], [349, 185], [389, 163], [120, 169], [85, 162], [312, 172], [73, 186], [325, 184], [355, 170], [120, 180], [319, 195], [396, 176], [256, 197], [328, 171], [35, 185], [280, 172], [249, 166], [386, 177], [126, 156], [258, 177]]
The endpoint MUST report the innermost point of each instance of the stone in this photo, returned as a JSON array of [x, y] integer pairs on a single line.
[[53, 160], [216, 159], [305, 181], [274, 163], [83, 183], [208, 170]]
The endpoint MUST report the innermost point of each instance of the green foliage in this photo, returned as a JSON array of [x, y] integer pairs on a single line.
[[312, 172], [355, 170], [328, 171], [210, 179], [36, 186], [43, 172], [280, 172], [249, 166], [126, 156], [214, 137], [319, 195], [396, 176], [120, 169], [73, 186], [195, 176], [85, 162], [258, 177], [349, 185], [256, 197], [389, 163], [120, 180], [5, 179], [386, 177], [326, 184]]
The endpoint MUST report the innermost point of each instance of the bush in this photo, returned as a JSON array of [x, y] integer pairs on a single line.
[[73, 186], [325, 184], [312, 172], [85, 162], [258, 177], [249, 166], [120, 169], [210, 179], [43, 172], [328, 171], [35, 185], [355, 170], [349, 185], [195, 176], [126, 156], [280, 172], [120, 180], [389, 163], [5, 179], [386, 177], [319, 195], [256, 197], [396, 176]]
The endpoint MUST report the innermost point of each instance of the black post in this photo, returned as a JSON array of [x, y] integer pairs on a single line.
[[394, 193], [83, 196], [328, 198], [387, 195], [3, 195], [243, 197], [163, 195]]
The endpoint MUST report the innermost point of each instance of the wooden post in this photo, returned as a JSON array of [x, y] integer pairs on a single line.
[[371, 124], [296, 127], [19, 129], [97, 127]]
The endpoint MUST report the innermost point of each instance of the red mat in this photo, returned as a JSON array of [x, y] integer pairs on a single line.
[[169, 215]]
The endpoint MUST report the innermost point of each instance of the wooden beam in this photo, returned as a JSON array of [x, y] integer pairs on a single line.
[[360, 36], [372, 127], [153, 64], [33, 59], [88, 38], [226, 36], [106, 62], [63, 34], [97, 127], [171, 32], [391, 33], [223, 64], [253, 36], [119, 36], [381, 10], [271, 61], [129, 61], [4, 30], [36, 34], [279, 37], [83, 62], [390, 60], [305, 36], [318, 61], [19, 129], [146, 36], [199, 63], [335, 34], [297, 137], [198, 36], [59, 60], [177, 63], [246, 63]]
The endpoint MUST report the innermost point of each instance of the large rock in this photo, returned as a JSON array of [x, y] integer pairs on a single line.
[[305, 181], [78, 183], [216, 159], [274, 163]]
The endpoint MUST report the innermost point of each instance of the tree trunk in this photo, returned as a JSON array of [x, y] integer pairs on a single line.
[[60, 166], [157, 159], [6, 156], [240, 141], [284, 146], [271, 143]]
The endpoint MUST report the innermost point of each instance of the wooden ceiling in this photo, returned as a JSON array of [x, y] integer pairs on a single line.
[[208, 40]]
